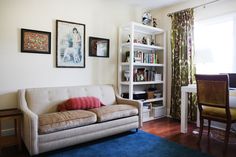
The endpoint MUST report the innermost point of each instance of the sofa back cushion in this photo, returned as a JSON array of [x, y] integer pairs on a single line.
[[79, 103], [45, 100]]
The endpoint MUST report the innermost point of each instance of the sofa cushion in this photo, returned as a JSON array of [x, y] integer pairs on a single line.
[[111, 112], [79, 103], [58, 121]]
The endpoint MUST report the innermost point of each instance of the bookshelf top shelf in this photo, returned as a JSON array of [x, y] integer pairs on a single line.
[[141, 28]]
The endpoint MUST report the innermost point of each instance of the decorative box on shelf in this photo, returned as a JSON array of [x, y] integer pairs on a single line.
[[158, 112], [146, 114]]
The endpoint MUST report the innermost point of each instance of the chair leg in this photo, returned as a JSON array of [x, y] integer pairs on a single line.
[[227, 132], [201, 130], [209, 127]]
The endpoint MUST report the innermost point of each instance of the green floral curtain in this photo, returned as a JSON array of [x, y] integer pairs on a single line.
[[183, 69]]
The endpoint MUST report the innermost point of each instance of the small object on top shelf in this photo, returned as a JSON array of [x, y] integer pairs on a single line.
[[154, 22], [144, 40], [147, 18], [128, 39], [148, 41], [152, 42]]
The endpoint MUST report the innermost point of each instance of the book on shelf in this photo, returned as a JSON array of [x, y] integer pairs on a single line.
[[143, 74], [143, 57], [138, 57]]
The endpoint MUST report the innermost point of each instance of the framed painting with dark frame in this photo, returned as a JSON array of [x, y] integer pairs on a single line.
[[34, 41], [70, 44], [98, 47]]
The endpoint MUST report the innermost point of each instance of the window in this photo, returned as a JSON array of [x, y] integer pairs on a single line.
[[215, 41]]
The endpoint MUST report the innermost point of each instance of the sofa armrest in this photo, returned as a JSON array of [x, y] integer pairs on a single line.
[[135, 103], [30, 124]]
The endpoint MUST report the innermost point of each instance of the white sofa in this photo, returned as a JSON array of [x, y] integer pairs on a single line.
[[38, 102]]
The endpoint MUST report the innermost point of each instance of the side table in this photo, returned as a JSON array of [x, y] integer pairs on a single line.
[[16, 115]]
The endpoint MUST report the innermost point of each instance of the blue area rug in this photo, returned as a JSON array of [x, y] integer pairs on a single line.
[[140, 144]]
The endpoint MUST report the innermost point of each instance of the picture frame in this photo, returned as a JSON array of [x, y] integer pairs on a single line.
[[70, 44], [99, 47], [35, 41]]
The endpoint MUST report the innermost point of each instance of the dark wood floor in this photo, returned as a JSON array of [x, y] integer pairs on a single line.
[[169, 129]]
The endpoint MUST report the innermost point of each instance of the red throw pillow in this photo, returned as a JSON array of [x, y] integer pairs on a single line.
[[61, 107], [79, 103]]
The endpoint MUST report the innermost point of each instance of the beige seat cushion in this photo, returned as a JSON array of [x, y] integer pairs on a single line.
[[58, 121], [111, 112]]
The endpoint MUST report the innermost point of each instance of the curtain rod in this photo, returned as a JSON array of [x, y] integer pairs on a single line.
[[198, 6]]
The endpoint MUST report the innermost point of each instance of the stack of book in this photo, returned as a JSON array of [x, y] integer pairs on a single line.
[[141, 57]]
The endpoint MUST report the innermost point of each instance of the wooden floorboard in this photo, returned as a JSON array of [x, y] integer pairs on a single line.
[[165, 128]]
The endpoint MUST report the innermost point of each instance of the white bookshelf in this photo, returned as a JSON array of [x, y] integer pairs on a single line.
[[153, 60]]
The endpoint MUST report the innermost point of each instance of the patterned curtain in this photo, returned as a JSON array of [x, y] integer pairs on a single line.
[[183, 69]]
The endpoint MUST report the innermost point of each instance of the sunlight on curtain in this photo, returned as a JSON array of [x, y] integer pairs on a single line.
[[214, 45]]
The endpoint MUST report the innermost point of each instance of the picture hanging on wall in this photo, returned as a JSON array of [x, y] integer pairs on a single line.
[[34, 41], [70, 44], [98, 47]]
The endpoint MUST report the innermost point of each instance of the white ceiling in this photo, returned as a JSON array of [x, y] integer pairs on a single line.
[[150, 4]]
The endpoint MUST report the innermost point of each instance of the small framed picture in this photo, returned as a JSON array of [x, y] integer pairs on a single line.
[[34, 41], [98, 47], [70, 44]]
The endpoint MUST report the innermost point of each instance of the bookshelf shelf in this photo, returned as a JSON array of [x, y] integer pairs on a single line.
[[143, 64], [143, 46], [153, 100], [142, 82]]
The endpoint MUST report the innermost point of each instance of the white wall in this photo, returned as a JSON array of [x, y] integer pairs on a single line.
[[216, 9], [25, 70]]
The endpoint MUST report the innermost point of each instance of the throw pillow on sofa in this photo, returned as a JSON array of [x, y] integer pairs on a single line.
[[79, 103]]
